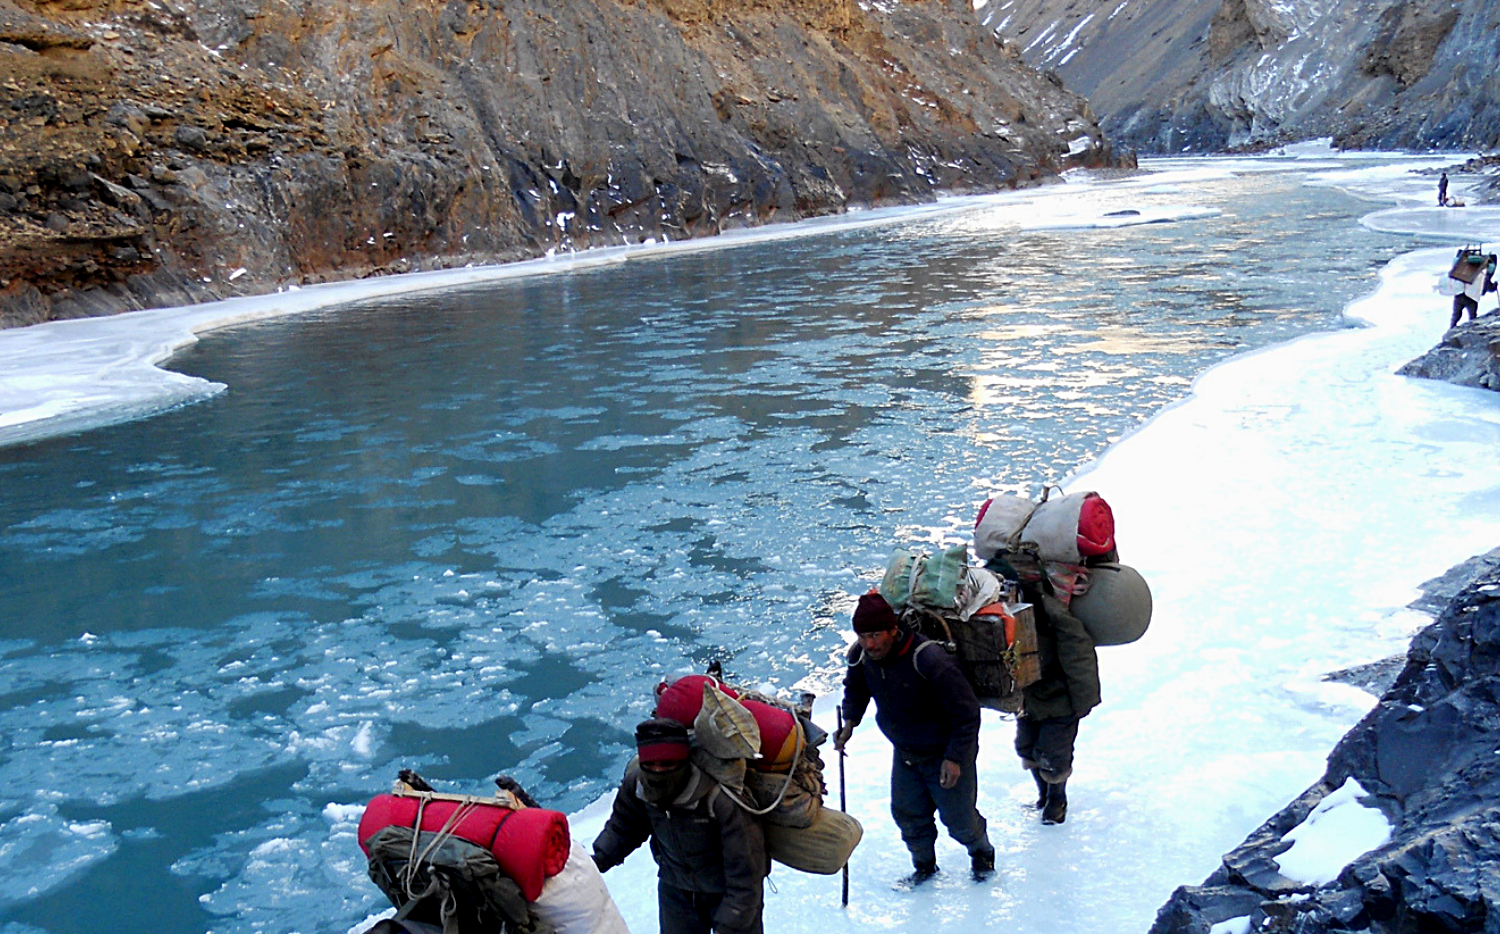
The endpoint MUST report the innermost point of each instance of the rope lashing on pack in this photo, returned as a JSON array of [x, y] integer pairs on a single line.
[[443, 833], [785, 786]]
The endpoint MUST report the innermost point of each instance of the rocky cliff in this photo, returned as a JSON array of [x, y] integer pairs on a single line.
[[1468, 355], [1429, 757], [1170, 75], [171, 151]]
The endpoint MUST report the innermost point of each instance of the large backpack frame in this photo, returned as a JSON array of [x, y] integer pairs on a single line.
[[997, 669]]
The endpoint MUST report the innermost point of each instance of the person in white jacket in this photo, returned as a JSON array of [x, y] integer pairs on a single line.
[[1468, 299]]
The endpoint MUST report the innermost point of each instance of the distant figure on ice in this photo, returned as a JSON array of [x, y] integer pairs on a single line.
[[1468, 299], [927, 709], [710, 854], [1443, 191]]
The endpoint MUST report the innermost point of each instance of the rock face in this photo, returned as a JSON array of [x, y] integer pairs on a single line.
[[1469, 355], [1429, 755], [169, 151], [1169, 75]]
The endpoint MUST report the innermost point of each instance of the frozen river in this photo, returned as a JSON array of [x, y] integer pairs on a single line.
[[466, 530]]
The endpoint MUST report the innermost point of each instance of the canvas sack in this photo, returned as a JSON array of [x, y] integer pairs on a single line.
[[724, 728], [998, 526], [912, 577], [1069, 528], [823, 847], [1116, 608]]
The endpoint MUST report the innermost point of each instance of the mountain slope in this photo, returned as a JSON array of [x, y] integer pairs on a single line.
[[158, 154], [1169, 75]]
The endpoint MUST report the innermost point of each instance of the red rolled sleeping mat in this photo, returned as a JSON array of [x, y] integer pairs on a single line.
[[530, 844], [1096, 526], [778, 736], [682, 699]]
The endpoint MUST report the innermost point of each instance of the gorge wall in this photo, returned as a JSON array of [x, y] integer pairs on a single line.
[[162, 152], [1173, 75]]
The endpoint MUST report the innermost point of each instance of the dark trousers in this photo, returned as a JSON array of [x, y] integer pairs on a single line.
[[916, 793], [1460, 304], [1047, 745], [683, 912]]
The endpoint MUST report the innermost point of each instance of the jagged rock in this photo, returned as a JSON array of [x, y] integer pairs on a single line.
[[1373, 678], [1468, 355], [1196, 909], [1168, 75], [1429, 754], [302, 141]]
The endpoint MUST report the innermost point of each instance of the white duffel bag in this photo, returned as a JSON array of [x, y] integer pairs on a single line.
[[999, 524], [1058, 524]]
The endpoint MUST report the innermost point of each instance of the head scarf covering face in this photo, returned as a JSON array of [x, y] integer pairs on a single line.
[[660, 742]]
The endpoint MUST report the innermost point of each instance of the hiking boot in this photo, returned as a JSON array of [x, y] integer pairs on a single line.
[[982, 865], [1041, 788], [921, 872], [1056, 809]]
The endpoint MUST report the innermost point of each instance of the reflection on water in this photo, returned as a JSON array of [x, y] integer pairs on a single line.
[[466, 532]]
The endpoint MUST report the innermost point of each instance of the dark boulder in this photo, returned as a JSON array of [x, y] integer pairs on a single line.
[[1468, 355]]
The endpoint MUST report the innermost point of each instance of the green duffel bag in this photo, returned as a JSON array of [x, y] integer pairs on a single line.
[[914, 577], [823, 848]]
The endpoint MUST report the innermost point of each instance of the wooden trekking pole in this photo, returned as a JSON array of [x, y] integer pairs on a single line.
[[843, 803]]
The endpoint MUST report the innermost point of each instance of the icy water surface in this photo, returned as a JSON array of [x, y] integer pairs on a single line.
[[466, 532]]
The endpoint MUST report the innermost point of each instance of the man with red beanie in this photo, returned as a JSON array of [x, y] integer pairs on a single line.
[[710, 854], [927, 709]]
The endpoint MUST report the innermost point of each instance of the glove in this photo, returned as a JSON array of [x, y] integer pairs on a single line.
[[841, 736]]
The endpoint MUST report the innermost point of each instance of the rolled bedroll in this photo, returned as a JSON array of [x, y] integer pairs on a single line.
[[530, 844], [1117, 607]]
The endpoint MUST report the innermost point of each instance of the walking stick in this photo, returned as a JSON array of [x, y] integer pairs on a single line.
[[843, 803]]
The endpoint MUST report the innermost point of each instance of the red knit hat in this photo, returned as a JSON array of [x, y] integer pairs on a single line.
[[874, 614], [661, 740]]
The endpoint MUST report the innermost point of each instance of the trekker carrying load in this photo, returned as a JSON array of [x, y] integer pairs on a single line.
[[710, 854], [1051, 550], [927, 709], [1047, 726], [1471, 278]]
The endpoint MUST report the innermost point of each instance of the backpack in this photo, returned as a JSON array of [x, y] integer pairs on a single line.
[[529, 844], [996, 649], [993, 641], [1065, 547], [781, 787], [1468, 264], [446, 881]]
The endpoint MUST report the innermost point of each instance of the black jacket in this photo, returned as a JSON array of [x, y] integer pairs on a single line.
[[923, 703], [702, 842]]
